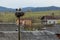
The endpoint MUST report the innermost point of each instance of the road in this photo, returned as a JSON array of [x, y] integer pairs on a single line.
[[27, 35], [7, 32]]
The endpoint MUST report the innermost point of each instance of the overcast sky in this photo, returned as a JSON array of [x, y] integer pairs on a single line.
[[29, 3]]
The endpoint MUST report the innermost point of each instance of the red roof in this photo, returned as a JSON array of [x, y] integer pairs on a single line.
[[51, 17]]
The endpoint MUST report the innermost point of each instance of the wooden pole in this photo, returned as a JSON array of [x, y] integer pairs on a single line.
[[19, 29]]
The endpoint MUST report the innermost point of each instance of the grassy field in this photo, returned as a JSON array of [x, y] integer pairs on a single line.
[[10, 16], [39, 14]]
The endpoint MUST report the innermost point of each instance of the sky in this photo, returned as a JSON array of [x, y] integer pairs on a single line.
[[29, 3]]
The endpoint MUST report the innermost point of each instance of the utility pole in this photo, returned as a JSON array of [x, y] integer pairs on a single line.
[[18, 14]]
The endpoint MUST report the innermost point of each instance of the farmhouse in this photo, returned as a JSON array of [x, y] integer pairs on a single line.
[[25, 22], [48, 20]]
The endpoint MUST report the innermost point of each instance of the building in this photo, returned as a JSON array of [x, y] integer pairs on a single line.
[[25, 22], [48, 20]]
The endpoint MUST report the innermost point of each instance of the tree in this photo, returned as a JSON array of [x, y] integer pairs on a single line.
[[52, 14]]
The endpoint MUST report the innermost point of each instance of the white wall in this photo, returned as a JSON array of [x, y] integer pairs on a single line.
[[51, 21]]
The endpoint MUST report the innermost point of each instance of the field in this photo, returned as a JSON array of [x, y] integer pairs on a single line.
[[10, 16]]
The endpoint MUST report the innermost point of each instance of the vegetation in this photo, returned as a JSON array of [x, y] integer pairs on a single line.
[[10, 16], [7, 17], [35, 16]]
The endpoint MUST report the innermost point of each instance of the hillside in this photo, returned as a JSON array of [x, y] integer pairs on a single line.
[[33, 9], [4, 9], [36, 9]]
